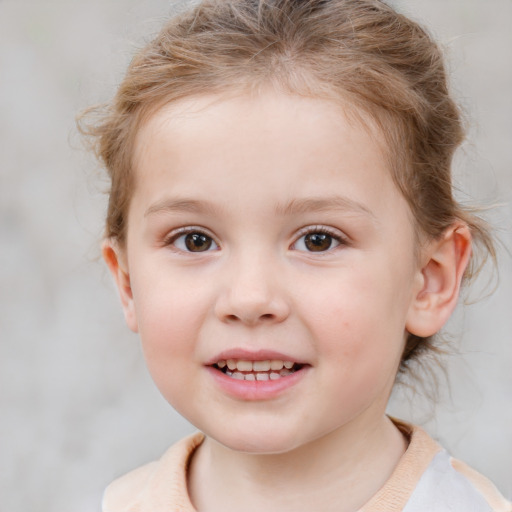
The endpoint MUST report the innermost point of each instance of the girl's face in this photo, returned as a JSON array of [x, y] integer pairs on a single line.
[[266, 232]]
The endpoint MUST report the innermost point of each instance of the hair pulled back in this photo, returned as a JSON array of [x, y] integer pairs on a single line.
[[361, 52]]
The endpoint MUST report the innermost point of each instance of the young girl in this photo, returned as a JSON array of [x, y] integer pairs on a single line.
[[283, 235]]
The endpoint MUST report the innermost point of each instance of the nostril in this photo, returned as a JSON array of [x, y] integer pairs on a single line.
[[264, 317], [234, 307]]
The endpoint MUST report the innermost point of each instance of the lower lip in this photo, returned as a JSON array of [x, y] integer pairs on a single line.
[[256, 389]]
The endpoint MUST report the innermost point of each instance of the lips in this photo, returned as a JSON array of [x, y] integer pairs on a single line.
[[260, 375], [257, 366]]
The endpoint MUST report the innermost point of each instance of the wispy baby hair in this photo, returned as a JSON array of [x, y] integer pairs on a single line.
[[361, 53]]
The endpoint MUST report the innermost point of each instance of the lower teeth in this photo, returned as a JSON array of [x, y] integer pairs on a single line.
[[259, 376]]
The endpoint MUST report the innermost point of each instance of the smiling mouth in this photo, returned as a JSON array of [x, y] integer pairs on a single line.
[[240, 369]]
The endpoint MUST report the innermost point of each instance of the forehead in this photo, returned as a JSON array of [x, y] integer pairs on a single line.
[[272, 145], [291, 117]]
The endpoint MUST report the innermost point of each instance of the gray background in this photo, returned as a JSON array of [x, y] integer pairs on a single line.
[[78, 407]]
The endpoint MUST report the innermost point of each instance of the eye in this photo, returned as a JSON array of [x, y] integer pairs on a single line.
[[318, 240], [193, 241]]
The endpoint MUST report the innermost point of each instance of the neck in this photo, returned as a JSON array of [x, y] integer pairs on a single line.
[[340, 471]]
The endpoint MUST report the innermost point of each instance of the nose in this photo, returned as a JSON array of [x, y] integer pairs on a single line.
[[252, 294]]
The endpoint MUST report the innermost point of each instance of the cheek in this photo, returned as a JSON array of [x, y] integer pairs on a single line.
[[169, 315], [358, 321], [360, 355], [169, 329]]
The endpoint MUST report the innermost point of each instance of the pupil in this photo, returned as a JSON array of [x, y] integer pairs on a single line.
[[197, 242], [318, 242]]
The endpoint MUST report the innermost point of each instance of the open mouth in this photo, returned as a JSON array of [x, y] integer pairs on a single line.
[[257, 370]]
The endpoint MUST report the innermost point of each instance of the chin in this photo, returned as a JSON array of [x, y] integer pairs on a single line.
[[262, 442], [260, 446]]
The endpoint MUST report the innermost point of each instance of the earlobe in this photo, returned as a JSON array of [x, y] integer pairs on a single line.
[[445, 260], [115, 260]]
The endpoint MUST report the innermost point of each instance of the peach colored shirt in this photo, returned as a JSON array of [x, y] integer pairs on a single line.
[[426, 479]]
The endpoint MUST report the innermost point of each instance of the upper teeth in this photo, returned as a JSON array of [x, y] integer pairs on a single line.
[[258, 366]]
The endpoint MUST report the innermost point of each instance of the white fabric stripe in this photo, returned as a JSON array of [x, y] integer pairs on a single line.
[[442, 489]]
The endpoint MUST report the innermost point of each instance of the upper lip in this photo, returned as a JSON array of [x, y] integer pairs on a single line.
[[252, 355]]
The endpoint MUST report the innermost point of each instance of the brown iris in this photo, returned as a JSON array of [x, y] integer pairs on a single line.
[[197, 242], [317, 242]]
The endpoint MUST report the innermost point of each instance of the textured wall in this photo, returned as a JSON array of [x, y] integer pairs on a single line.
[[77, 406]]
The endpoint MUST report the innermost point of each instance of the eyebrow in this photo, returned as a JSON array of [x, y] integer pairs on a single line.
[[322, 204], [182, 205], [293, 207]]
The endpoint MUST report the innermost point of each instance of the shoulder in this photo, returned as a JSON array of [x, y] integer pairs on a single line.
[[125, 492], [450, 485], [156, 485], [427, 479], [484, 486]]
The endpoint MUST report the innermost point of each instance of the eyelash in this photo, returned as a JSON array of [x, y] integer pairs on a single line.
[[173, 237], [334, 235]]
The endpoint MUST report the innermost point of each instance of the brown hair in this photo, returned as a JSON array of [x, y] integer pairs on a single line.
[[361, 51]]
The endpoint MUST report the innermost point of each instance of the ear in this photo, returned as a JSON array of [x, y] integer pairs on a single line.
[[444, 261], [115, 259]]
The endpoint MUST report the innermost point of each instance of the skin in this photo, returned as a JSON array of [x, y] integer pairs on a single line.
[[256, 175]]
